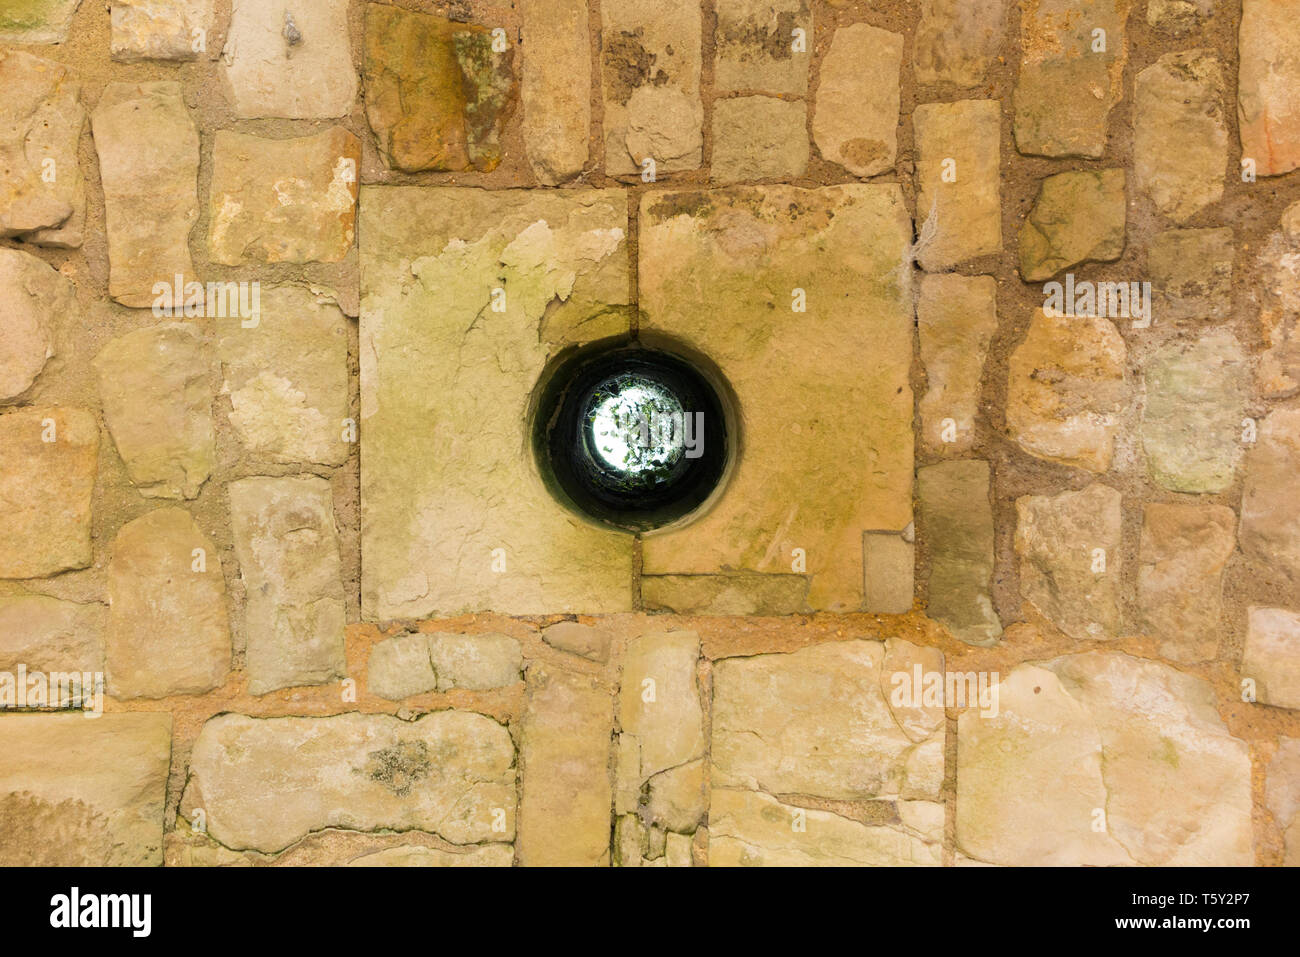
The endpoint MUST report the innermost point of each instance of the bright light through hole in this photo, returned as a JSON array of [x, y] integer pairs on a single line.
[[636, 426]]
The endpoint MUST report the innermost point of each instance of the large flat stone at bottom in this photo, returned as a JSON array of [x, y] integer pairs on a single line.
[[454, 514], [724, 272], [83, 792]]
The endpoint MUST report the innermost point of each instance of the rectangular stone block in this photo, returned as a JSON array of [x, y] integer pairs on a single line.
[[1268, 87], [956, 318], [957, 522], [756, 49], [454, 512], [555, 87], [889, 563], [958, 205], [794, 295]]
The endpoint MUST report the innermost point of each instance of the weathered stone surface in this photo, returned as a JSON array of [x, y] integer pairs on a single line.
[[754, 46], [1268, 85], [956, 317], [51, 635], [42, 192], [565, 796], [751, 252], [725, 594], [46, 489], [168, 631], [855, 120], [957, 40], [1270, 509], [918, 718], [288, 551], [659, 700], [475, 662], [449, 773], [958, 524], [486, 855], [36, 21], [961, 218], [1070, 76], [588, 641], [1272, 656], [83, 793], [675, 798], [813, 722], [161, 29], [555, 87], [1190, 271], [154, 384], [150, 195], [1070, 560], [1179, 16], [889, 566], [1278, 271], [474, 527], [289, 58], [758, 137], [1077, 218], [437, 94], [287, 378], [1284, 796], [36, 301], [750, 829], [400, 667], [1180, 580], [1180, 133], [290, 200], [1196, 393], [650, 78], [1107, 738], [1066, 390]]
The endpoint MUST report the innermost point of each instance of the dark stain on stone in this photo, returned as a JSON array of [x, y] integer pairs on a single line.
[[681, 204], [400, 767], [752, 40], [629, 65]]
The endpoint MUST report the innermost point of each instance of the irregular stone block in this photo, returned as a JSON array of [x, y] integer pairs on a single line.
[[958, 526], [1191, 272], [1180, 580], [565, 794], [1078, 217], [757, 255], [758, 137], [154, 384], [288, 200], [37, 21], [1180, 134], [475, 662], [474, 527], [287, 378], [1196, 394], [287, 545], [1278, 289], [168, 631], [1272, 656], [675, 798], [42, 192], [754, 46], [1070, 559], [1179, 17], [918, 716], [399, 667], [957, 40], [588, 641], [437, 94], [650, 80], [958, 147], [813, 722], [289, 59], [1284, 796], [659, 700], [1070, 75], [150, 196], [47, 479], [450, 773], [1066, 390], [956, 317], [37, 301], [1270, 509], [160, 29], [889, 564], [855, 120], [1102, 759], [725, 594], [51, 635], [555, 87], [1268, 85], [83, 793]]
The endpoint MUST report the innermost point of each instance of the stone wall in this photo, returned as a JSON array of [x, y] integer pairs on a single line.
[[987, 583]]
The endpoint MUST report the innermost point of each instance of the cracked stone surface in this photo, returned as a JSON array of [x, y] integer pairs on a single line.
[[959, 192], [754, 46], [168, 631], [956, 318], [1272, 656], [160, 29], [855, 119], [758, 137], [433, 538], [37, 301], [746, 250], [1270, 509], [42, 191], [1190, 271], [446, 773], [1077, 218], [47, 480], [487, 855], [957, 41], [36, 21], [83, 793], [156, 390], [659, 702], [1268, 85], [958, 521], [49, 634], [1278, 271], [1108, 738], [555, 87]]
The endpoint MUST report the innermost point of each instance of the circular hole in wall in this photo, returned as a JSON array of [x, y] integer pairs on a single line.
[[631, 436]]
